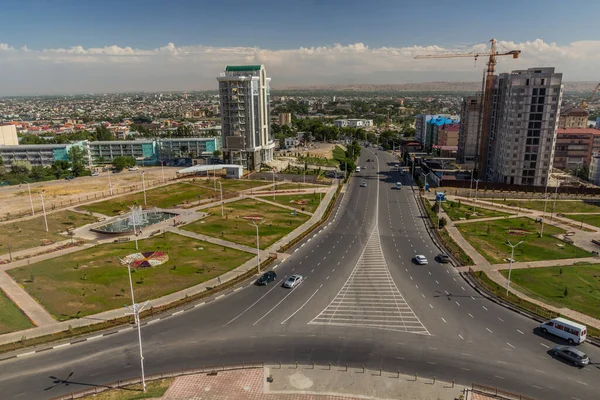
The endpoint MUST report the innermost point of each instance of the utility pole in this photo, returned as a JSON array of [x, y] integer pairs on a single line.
[[144, 185], [44, 210], [132, 208], [162, 169], [222, 210], [30, 198], [109, 183], [257, 244], [545, 206], [273, 171], [554, 203], [512, 255], [476, 188]]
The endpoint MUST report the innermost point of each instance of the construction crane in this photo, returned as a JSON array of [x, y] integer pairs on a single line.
[[584, 103], [487, 91]]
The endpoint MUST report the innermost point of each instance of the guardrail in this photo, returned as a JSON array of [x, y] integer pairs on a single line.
[[128, 382], [501, 394]]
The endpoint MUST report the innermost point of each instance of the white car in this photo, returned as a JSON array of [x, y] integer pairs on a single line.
[[293, 281], [421, 260], [96, 174], [133, 168]]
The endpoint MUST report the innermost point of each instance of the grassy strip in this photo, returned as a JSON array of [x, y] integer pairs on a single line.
[[88, 329], [324, 218], [445, 237], [154, 390], [499, 291], [12, 318]]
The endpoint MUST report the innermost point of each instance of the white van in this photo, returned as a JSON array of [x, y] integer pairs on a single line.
[[568, 330], [357, 169]]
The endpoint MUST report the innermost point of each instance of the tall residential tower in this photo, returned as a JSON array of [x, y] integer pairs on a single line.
[[245, 116], [523, 125], [470, 124]]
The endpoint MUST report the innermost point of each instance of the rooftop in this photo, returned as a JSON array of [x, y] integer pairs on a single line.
[[243, 68], [578, 131]]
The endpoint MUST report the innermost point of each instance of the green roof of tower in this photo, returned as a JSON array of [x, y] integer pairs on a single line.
[[243, 68]]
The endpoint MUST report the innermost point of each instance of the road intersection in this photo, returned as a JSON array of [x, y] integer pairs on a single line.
[[364, 302]]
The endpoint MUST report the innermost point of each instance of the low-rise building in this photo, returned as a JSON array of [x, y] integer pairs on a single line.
[[353, 123], [594, 171], [144, 151], [574, 147], [572, 117], [40, 155]]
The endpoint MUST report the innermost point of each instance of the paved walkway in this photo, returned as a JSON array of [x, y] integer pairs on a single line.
[[581, 239], [306, 383], [47, 325]]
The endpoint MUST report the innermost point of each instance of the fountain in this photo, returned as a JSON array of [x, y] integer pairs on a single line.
[[137, 217]]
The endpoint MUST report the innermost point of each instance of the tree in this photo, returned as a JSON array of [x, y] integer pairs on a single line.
[[102, 133], [21, 167], [217, 153], [60, 168], [120, 163], [78, 158]]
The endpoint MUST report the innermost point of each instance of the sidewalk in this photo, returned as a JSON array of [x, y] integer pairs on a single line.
[[492, 271], [46, 326]]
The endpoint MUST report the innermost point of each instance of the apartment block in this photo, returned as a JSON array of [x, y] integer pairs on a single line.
[[244, 94], [468, 134], [523, 126], [572, 117], [144, 151], [285, 119], [8, 135], [574, 147], [40, 155]]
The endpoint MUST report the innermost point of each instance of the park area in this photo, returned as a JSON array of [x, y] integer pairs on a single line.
[[173, 195], [591, 219], [28, 233], [305, 202], [236, 226], [93, 280], [296, 186], [12, 318], [576, 287], [460, 211], [489, 239], [562, 206]]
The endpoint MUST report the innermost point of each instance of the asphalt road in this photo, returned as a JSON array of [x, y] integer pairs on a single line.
[[363, 302]]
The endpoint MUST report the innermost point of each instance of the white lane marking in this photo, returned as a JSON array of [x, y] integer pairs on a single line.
[[430, 306], [437, 282], [510, 345], [302, 306], [499, 377], [501, 362], [466, 369], [457, 303], [462, 288], [501, 320], [62, 345], [484, 308], [444, 320], [488, 329], [541, 372], [546, 346], [275, 306], [537, 387], [582, 383], [423, 295], [471, 315], [253, 304], [460, 336], [520, 332]]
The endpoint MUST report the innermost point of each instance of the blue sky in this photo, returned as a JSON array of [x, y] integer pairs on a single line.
[[65, 46], [290, 24]]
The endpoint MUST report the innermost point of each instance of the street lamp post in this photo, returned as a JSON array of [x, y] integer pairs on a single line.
[[512, 255], [273, 171], [30, 198], [222, 207], [476, 189], [136, 309], [162, 170], [134, 228], [554, 203], [257, 244], [471, 185], [545, 206], [144, 185], [215, 178], [109, 183], [44, 210]]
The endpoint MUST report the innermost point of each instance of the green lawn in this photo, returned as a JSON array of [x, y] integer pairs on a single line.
[[312, 201], [93, 280], [278, 222], [592, 219], [29, 233], [12, 318], [457, 211], [548, 284], [154, 390], [237, 185], [489, 239], [562, 206]]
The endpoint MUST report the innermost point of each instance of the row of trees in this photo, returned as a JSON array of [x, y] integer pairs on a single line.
[[100, 133]]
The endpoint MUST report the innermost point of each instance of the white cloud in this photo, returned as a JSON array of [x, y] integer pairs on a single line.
[[172, 67]]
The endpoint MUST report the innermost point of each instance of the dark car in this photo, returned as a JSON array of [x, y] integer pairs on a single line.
[[265, 278], [443, 258], [571, 354]]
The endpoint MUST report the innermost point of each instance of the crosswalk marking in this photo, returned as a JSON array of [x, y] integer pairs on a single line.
[[370, 298]]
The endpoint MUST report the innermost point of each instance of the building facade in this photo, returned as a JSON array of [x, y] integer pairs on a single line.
[[8, 135], [468, 134], [594, 171], [285, 119], [188, 147], [574, 148], [244, 95], [353, 123], [40, 155], [523, 126], [573, 117], [144, 151]]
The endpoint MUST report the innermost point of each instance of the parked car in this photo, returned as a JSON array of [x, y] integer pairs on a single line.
[[293, 281], [265, 278], [96, 173], [421, 259], [398, 185], [443, 258], [571, 354], [133, 168], [364, 184]]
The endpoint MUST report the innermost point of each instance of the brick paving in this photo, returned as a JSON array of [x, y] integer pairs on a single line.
[[232, 385]]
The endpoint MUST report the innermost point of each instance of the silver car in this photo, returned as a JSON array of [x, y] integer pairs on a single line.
[[421, 260], [571, 354], [293, 281]]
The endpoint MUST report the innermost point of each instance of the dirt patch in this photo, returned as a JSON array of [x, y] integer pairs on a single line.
[[519, 232]]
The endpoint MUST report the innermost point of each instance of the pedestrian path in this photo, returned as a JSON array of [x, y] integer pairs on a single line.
[[370, 298]]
